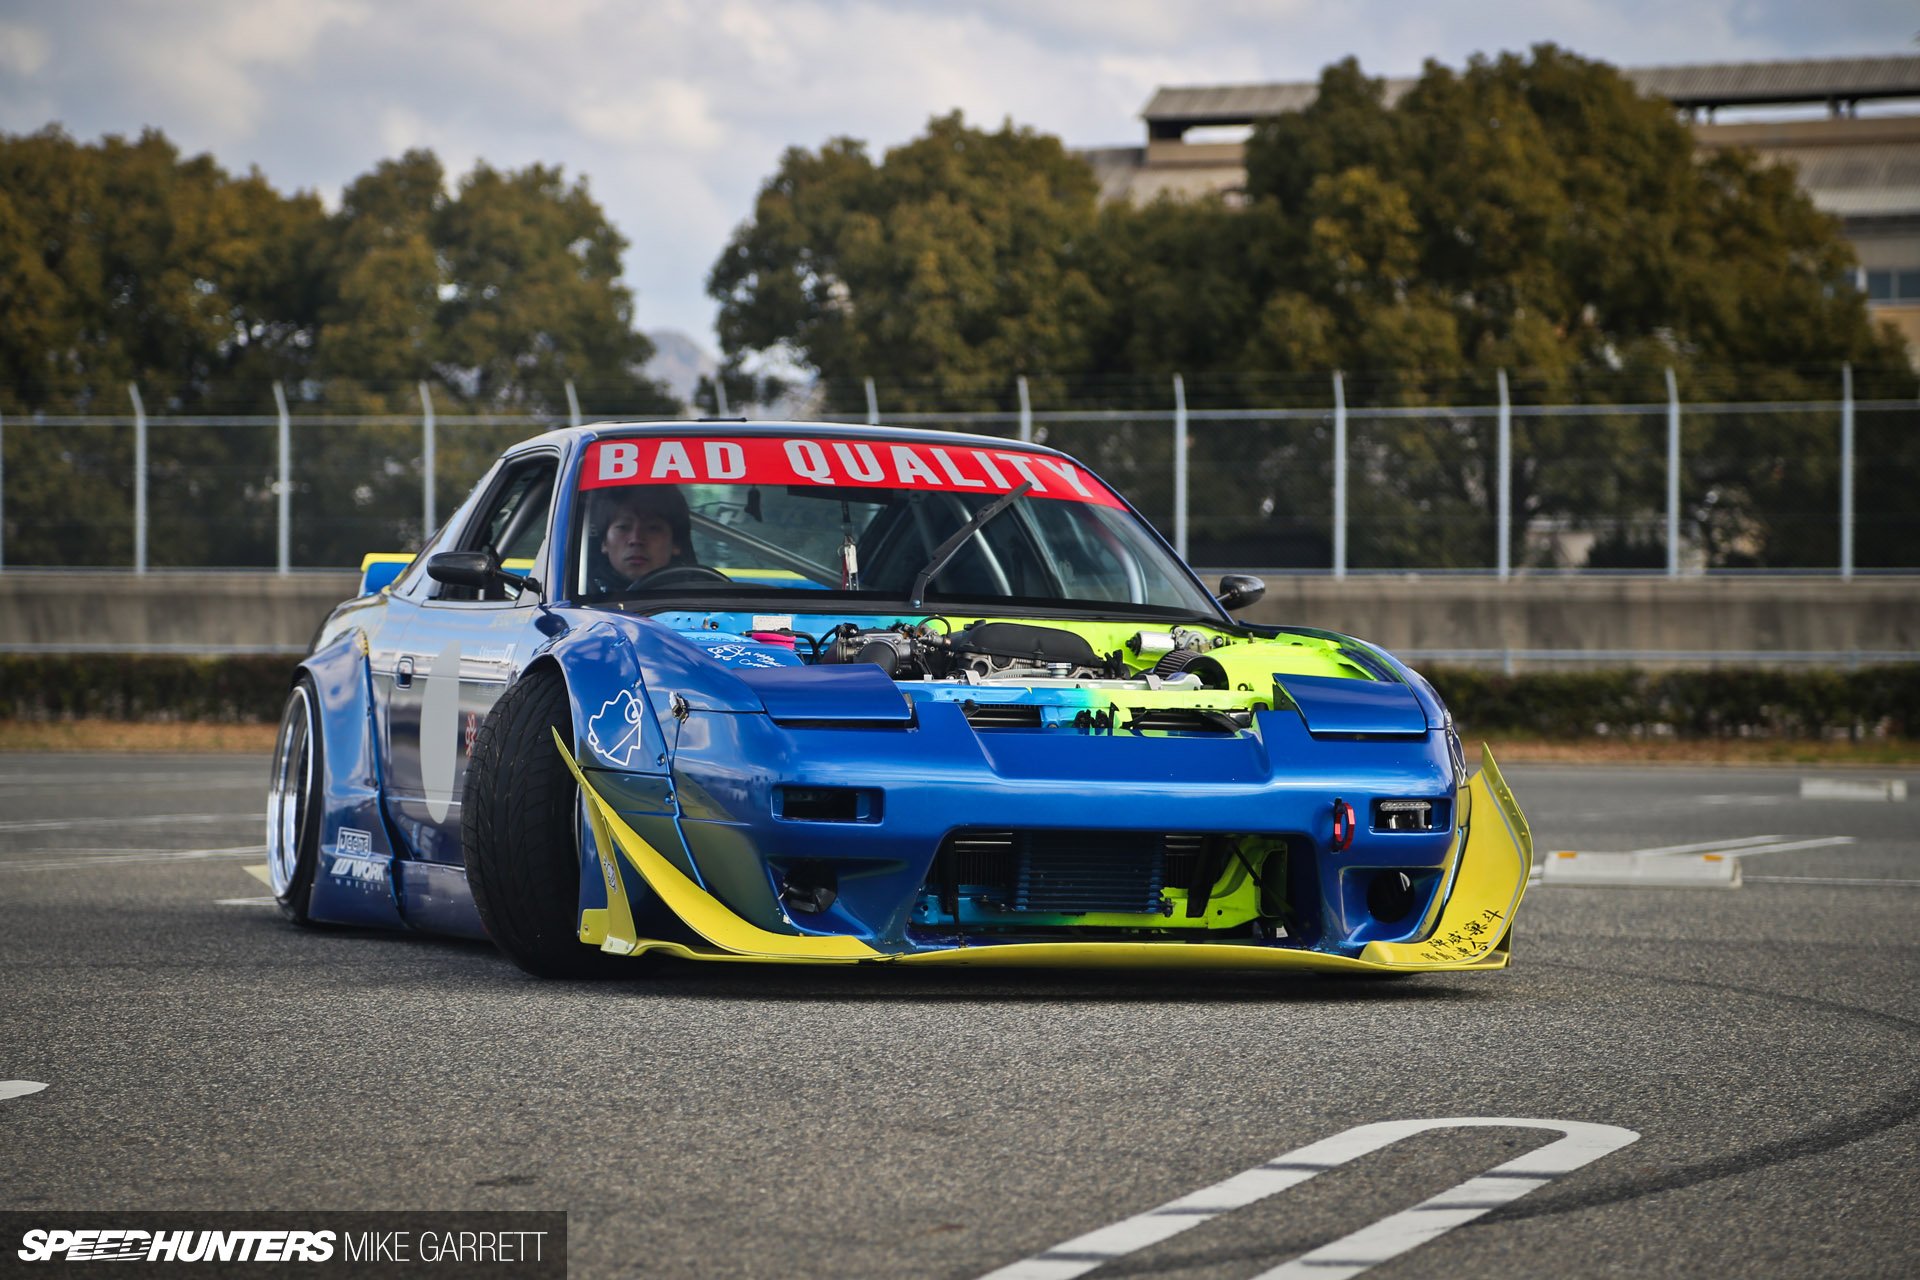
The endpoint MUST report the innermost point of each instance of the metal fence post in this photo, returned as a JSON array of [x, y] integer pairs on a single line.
[[1846, 470], [284, 489], [1673, 475], [573, 405], [1180, 466], [720, 409], [3, 491], [139, 480], [1026, 411], [1505, 557], [426, 464], [1339, 475], [873, 406]]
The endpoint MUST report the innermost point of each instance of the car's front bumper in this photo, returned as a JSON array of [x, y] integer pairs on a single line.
[[1467, 926]]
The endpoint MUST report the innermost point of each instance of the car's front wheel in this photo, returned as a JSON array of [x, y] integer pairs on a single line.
[[519, 818], [294, 802]]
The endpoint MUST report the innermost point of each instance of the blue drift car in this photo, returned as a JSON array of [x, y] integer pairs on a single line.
[[832, 694]]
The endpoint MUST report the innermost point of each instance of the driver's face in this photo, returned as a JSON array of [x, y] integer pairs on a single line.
[[638, 543]]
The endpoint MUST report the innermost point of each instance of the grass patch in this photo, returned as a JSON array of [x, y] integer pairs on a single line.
[[1786, 751], [181, 737], [186, 737]]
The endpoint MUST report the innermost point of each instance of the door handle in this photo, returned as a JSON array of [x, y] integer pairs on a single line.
[[403, 672]]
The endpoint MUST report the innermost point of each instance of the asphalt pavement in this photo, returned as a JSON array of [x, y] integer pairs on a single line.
[[1730, 1072]]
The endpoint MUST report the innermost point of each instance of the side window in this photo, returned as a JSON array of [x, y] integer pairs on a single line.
[[511, 522]]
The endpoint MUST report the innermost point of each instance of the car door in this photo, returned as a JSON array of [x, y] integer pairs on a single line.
[[458, 651]]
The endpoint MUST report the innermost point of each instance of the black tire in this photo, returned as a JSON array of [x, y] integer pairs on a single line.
[[518, 816], [295, 788]]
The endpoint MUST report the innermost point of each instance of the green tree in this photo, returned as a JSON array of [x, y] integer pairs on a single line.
[[954, 264], [123, 262], [1536, 214]]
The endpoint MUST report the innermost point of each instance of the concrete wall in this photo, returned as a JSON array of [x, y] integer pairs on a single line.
[[1411, 614], [237, 610], [1426, 614]]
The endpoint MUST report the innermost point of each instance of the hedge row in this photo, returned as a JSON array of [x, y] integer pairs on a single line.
[[1728, 702], [1724, 702], [230, 690]]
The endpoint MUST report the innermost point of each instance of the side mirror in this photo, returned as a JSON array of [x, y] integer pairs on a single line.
[[476, 569], [1237, 590]]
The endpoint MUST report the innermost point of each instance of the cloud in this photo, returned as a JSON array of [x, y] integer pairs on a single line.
[[672, 113], [676, 110], [23, 49]]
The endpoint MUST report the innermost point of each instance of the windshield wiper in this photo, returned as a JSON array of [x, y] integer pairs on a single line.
[[946, 550]]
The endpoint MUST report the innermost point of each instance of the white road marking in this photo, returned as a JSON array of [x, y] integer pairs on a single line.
[[150, 820], [131, 855], [1822, 843], [1853, 789], [268, 901], [1365, 1248], [64, 781], [1743, 801], [1915, 884], [1457, 1206], [1745, 846], [19, 1088], [1705, 846]]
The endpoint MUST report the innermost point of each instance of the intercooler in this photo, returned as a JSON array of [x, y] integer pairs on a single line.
[[1064, 872]]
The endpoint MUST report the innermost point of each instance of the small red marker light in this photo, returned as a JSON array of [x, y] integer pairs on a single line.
[[1343, 824]]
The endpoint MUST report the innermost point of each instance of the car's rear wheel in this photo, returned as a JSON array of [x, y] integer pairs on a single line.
[[294, 802], [519, 824]]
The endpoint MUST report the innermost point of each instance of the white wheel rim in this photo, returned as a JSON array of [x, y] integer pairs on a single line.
[[289, 791]]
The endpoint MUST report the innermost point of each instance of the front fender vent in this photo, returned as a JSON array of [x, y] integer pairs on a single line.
[[1001, 715], [1187, 720]]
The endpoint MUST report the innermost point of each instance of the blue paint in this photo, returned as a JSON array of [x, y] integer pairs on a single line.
[[1331, 705]]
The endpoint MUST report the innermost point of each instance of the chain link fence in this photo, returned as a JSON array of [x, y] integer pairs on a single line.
[[1664, 487]]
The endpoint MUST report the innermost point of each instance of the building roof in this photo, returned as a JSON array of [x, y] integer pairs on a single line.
[[1729, 84], [1705, 84]]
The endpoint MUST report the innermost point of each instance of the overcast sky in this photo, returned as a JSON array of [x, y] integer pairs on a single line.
[[675, 110]]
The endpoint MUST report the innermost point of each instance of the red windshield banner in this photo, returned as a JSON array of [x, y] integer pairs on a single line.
[[856, 464]]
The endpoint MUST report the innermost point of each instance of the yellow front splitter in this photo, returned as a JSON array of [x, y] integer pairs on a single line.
[[1471, 933]]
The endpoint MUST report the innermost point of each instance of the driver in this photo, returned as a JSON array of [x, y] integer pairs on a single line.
[[644, 529]]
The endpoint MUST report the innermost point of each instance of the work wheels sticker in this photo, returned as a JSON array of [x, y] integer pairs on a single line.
[[856, 464]]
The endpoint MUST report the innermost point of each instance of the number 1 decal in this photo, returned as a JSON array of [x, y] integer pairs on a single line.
[[1581, 1144]]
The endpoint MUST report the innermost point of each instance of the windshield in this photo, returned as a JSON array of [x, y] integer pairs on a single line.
[[759, 514]]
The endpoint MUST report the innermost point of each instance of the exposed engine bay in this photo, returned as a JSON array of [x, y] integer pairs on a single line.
[[1024, 653]]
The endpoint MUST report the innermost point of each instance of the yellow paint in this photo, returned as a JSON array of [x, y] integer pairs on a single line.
[[612, 928], [779, 575], [593, 925], [1152, 955], [1490, 877], [383, 557], [699, 910]]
